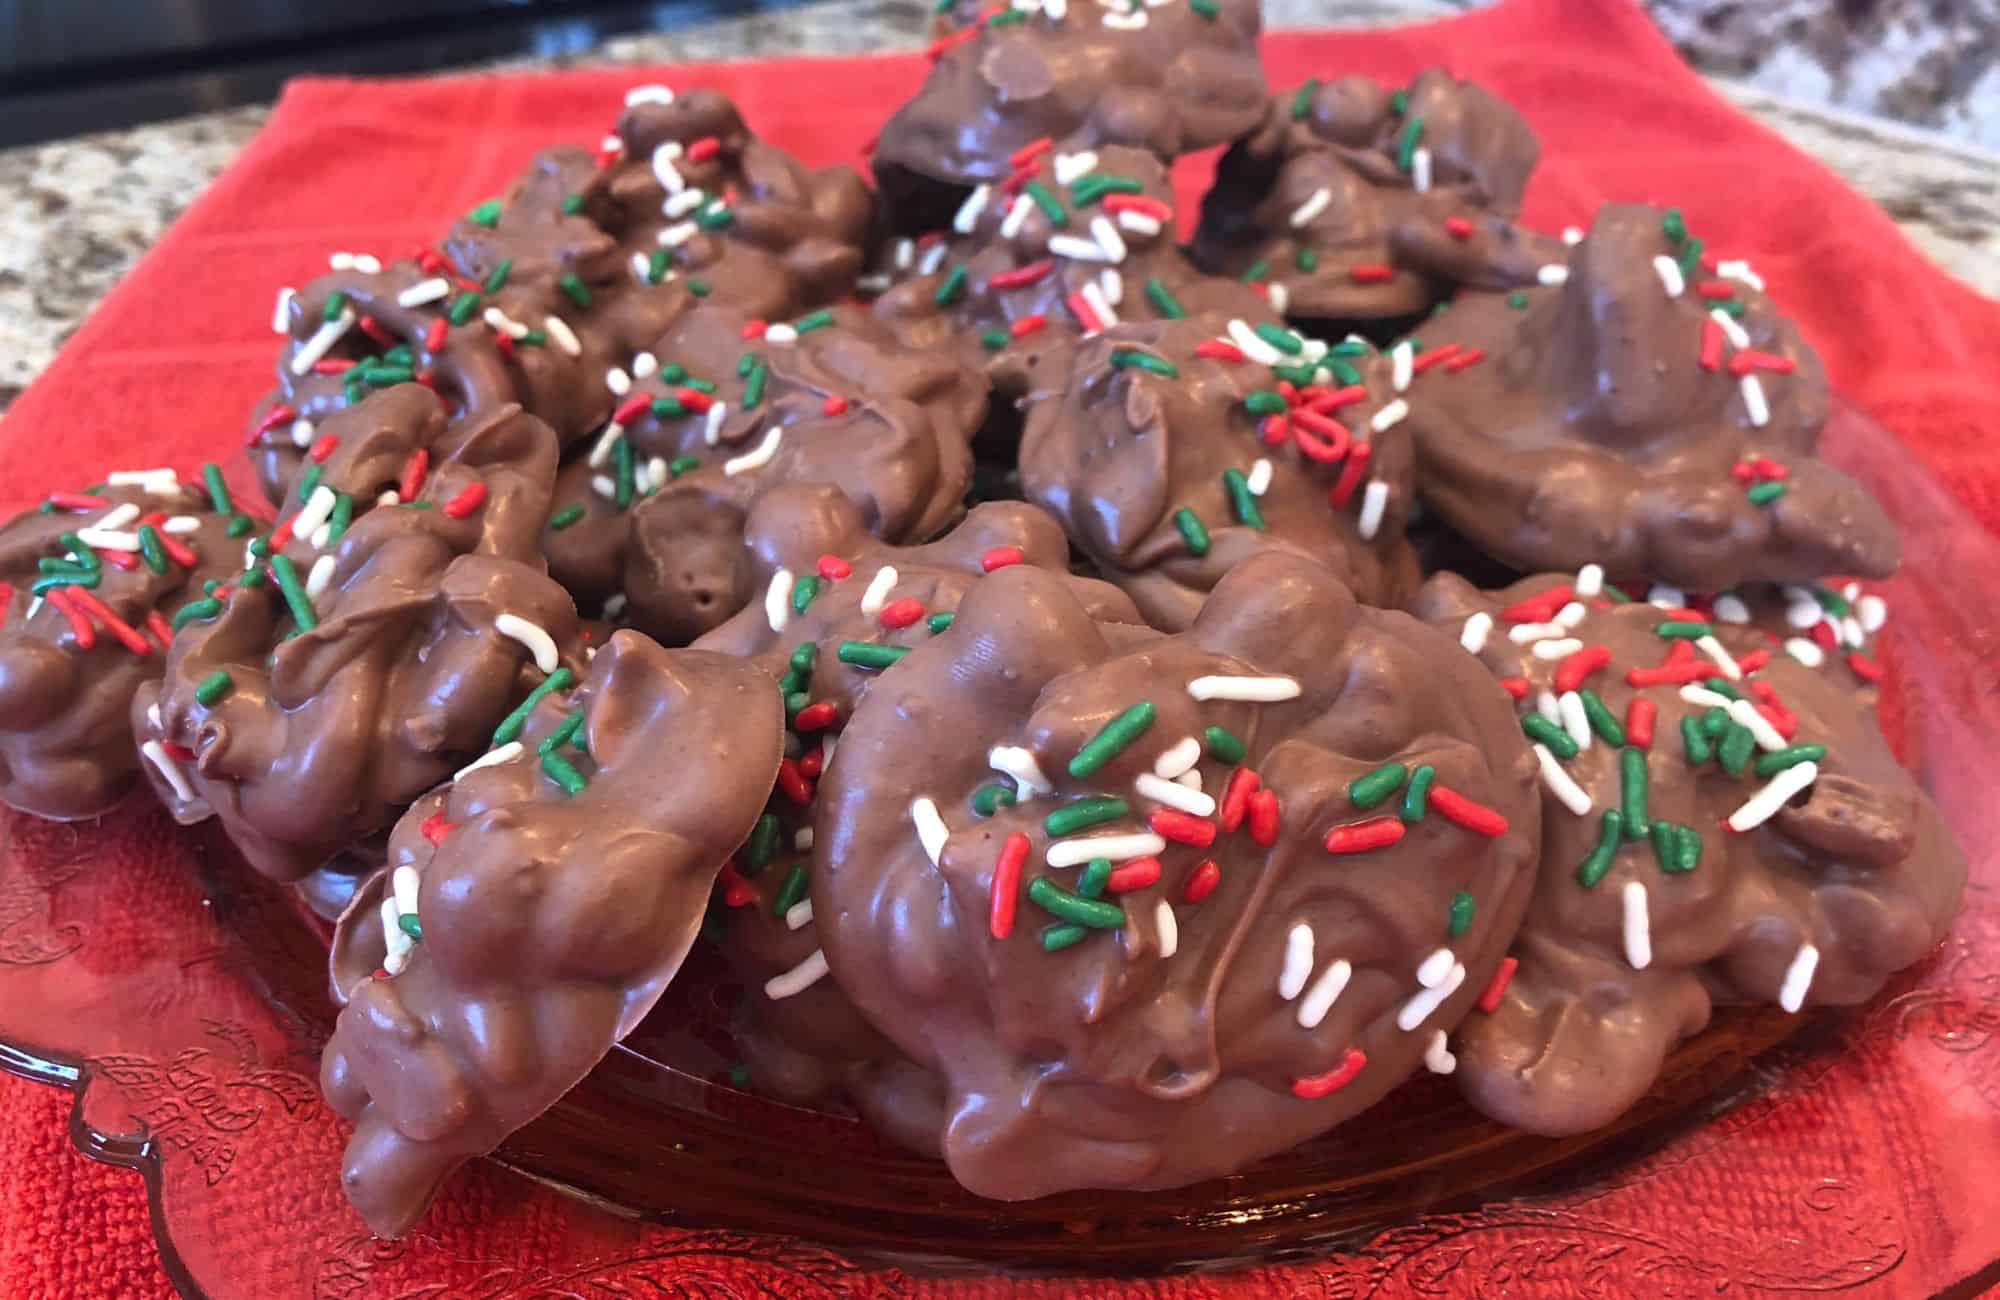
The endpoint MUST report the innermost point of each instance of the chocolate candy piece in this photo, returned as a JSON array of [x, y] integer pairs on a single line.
[[650, 513], [1356, 204], [97, 579], [1643, 414], [1762, 846], [540, 904], [1268, 947], [1828, 627], [1172, 453]]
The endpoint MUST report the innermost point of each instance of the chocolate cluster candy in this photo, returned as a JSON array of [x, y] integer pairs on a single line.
[[532, 912], [721, 409], [1714, 829], [1644, 410], [98, 581], [346, 671], [1165, 77], [1074, 241], [1248, 876], [1174, 450], [1831, 629], [1357, 203]]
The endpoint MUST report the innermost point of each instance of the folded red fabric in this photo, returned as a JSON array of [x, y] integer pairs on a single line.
[[166, 369]]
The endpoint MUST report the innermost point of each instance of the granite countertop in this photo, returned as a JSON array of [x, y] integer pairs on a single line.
[[79, 212]]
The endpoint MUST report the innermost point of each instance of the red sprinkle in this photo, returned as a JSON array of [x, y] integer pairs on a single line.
[[812, 762], [833, 568], [1670, 674], [814, 717], [1321, 398], [1751, 662], [834, 404], [703, 149], [1030, 151], [435, 332], [1351, 474], [1714, 289], [332, 366], [1135, 874], [87, 601], [1264, 818], [1458, 227], [1235, 798], [936, 49], [430, 260], [1431, 356], [1371, 273], [1496, 988], [1273, 429], [1539, 608], [1006, 887], [435, 827], [281, 536], [999, 557], [1475, 817], [1515, 686], [411, 480], [1029, 324], [1577, 666], [793, 783], [178, 551], [754, 329], [1016, 277], [1320, 437], [373, 329], [1182, 828], [274, 417], [469, 499], [79, 626], [1083, 313], [1141, 203], [163, 631], [1219, 350], [736, 891], [1770, 469], [1639, 717], [694, 399], [633, 407], [504, 344], [1747, 360], [85, 501], [181, 752], [1782, 721], [901, 612], [1314, 1086], [1711, 343], [1201, 882], [322, 448], [1359, 837], [1469, 357], [1821, 633], [123, 560]]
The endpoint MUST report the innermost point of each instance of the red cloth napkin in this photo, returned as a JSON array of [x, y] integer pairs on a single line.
[[167, 368]]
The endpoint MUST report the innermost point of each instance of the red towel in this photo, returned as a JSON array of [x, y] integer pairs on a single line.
[[167, 368]]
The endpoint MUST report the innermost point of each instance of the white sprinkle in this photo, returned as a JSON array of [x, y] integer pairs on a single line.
[[314, 350], [406, 884], [1567, 792], [641, 267], [1259, 478], [1715, 650], [1754, 404], [934, 258], [153, 717], [1402, 362], [1746, 715], [320, 536], [1057, 10], [1077, 249], [1703, 698], [424, 293], [314, 512], [1280, 298], [389, 497], [798, 979], [677, 234], [1181, 757], [169, 769], [281, 315], [1314, 205], [778, 600], [565, 337], [1073, 167], [644, 365], [1522, 633], [1852, 591], [1251, 346], [1740, 270], [1161, 789], [1437, 1057], [179, 524], [1420, 170], [1118, 848], [758, 456], [1801, 610], [1556, 647], [539, 643], [971, 210], [877, 592], [1798, 978], [1138, 223], [1436, 968], [303, 433], [1170, 930], [1389, 416], [1574, 720], [931, 830], [618, 382], [1112, 284], [1738, 336], [1419, 1008], [504, 323], [799, 915], [1545, 704], [1374, 504], [507, 753], [1666, 597], [1254, 690], [1020, 764], [35, 605], [1552, 274], [680, 204], [320, 578], [802, 839], [1298, 966], [1805, 652], [396, 943], [1873, 612], [1102, 309], [1669, 272], [1190, 778], [712, 431], [1777, 792], [105, 540], [1572, 235], [1638, 926], [1126, 22], [614, 608], [1729, 608], [781, 335], [664, 169], [1473, 635], [651, 94], [603, 486], [1571, 614], [1589, 582], [1325, 991], [1017, 216]]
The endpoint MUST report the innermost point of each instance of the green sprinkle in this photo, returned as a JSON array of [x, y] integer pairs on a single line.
[[803, 655], [1688, 849], [1731, 306], [1664, 835], [1399, 103], [336, 303], [680, 465], [1721, 686], [252, 578], [1777, 760], [510, 726], [1632, 787], [1735, 750], [572, 204], [803, 592], [210, 586], [1541, 730], [623, 478], [1191, 530], [564, 773], [564, 517], [295, 595], [260, 546], [744, 363], [699, 385], [753, 388], [462, 308], [51, 567], [1163, 299], [1111, 739], [486, 214], [1007, 18], [939, 622], [1371, 789], [1517, 299], [951, 288], [1065, 906], [213, 687], [1098, 184], [1124, 358], [1302, 98], [1280, 338], [1254, 272], [1307, 260], [1598, 860], [309, 480], [863, 654], [1682, 629], [1715, 722], [1265, 401], [79, 579], [1343, 371], [1083, 814], [218, 491], [410, 925], [793, 703], [1207, 9], [1765, 493], [1831, 601], [1673, 225], [699, 288], [1690, 258], [1461, 912], [565, 731], [792, 892], [992, 797], [340, 517], [205, 608], [1055, 938], [656, 265], [1093, 879], [1242, 501], [1297, 372], [498, 279], [811, 321], [240, 524], [1602, 720], [575, 289], [1406, 142], [1222, 744], [1046, 200], [762, 845], [1417, 796], [993, 340]]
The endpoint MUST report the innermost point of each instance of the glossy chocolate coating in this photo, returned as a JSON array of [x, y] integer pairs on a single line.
[[550, 922], [1105, 1064], [66, 748], [1167, 78], [1320, 189], [1859, 866], [1593, 432], [1118, 450], [838, 403]]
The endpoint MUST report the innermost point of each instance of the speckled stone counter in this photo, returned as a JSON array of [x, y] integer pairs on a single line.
[[77, 213]]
